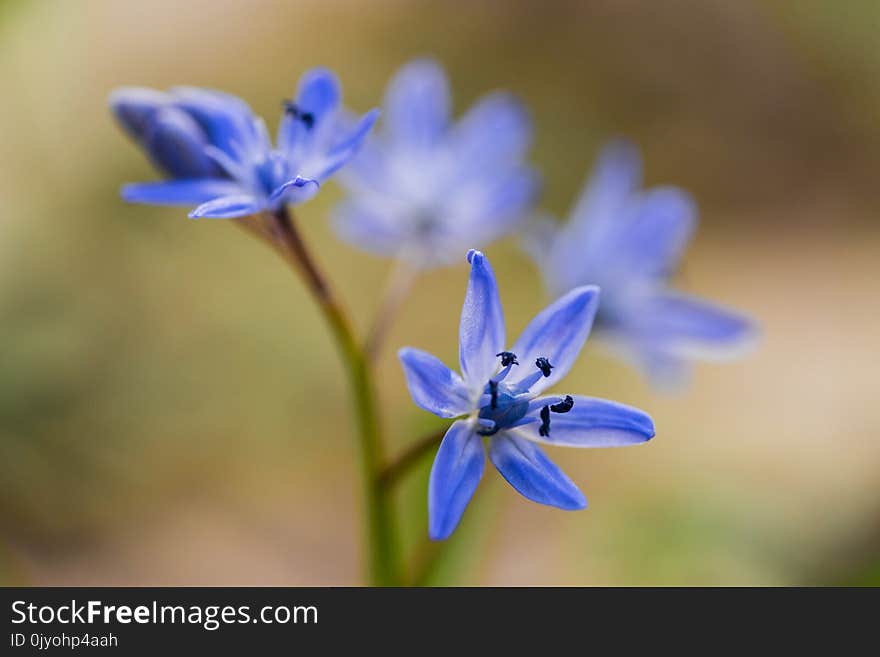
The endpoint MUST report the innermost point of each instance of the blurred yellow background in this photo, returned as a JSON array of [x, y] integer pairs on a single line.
[[172, 410]]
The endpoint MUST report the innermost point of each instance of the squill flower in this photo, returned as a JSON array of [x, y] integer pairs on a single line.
[[219, 156], [629, 243], [497, 399], [425, 188]]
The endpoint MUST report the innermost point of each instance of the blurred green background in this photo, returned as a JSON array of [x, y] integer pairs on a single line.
[[172, 410]]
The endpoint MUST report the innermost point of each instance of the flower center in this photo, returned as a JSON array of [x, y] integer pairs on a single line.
[[265, 175], [425, 225], [508, 405], [504, 410]]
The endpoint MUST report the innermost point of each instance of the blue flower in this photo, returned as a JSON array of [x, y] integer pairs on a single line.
[[426, 189], [497, 397], [219, 156], [629, 243]]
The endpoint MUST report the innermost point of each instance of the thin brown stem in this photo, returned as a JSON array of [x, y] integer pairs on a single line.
[[394, 470], [286, 232], [255, 226], [258, 227]]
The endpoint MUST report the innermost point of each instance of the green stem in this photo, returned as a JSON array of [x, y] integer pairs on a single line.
[[397, 468], [399, 283], [428, 555], [424, 562], [383, 562]]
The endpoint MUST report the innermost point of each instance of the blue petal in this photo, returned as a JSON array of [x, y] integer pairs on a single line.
[[176, 144], [355, 135], [529, 471], [369, 171], [343, 150], [581, 249], [228, 207], [616, 176], [318, 93], [481, 332], [494, 133], [134, 108], [317, 98], [666, 372], [653, 233], [557, 333], [485, 209], [375, 226], [227, 120], [538, 239], [593, 422], [690, 327], [417, 104], [457, 470], [432, 385], [297, 190], [179, 192]]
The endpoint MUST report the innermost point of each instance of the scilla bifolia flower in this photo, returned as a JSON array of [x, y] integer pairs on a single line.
[[218, 155], [629, 243], [425, 189], [497, 400]]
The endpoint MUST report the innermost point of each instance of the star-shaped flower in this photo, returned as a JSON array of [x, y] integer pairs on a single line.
[[497, 398], [425, 188], [629, 243]]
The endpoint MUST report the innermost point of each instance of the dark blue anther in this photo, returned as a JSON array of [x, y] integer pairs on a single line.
[[544, 429], [564, 406], [508, 358], [493, 390], [293, 109], [544, 365]]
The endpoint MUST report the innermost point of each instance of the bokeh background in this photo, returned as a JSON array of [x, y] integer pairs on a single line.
[[172, 410]]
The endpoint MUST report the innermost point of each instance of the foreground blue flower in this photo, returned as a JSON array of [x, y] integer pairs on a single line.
[[629, 243], [425, 189], [219, 156], [497, 397]]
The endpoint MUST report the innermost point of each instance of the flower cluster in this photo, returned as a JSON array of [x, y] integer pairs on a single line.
[[426, 189]]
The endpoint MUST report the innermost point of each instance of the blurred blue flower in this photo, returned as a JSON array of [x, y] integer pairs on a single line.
[[219, 156], [629, 243], [498, 392], [426, 189]]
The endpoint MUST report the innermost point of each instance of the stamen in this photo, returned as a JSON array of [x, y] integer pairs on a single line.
[[508, 358], [293, 109], [564, 406], [530, 379], [544, 429], [544, 365], [493, 391], [498, 378]]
